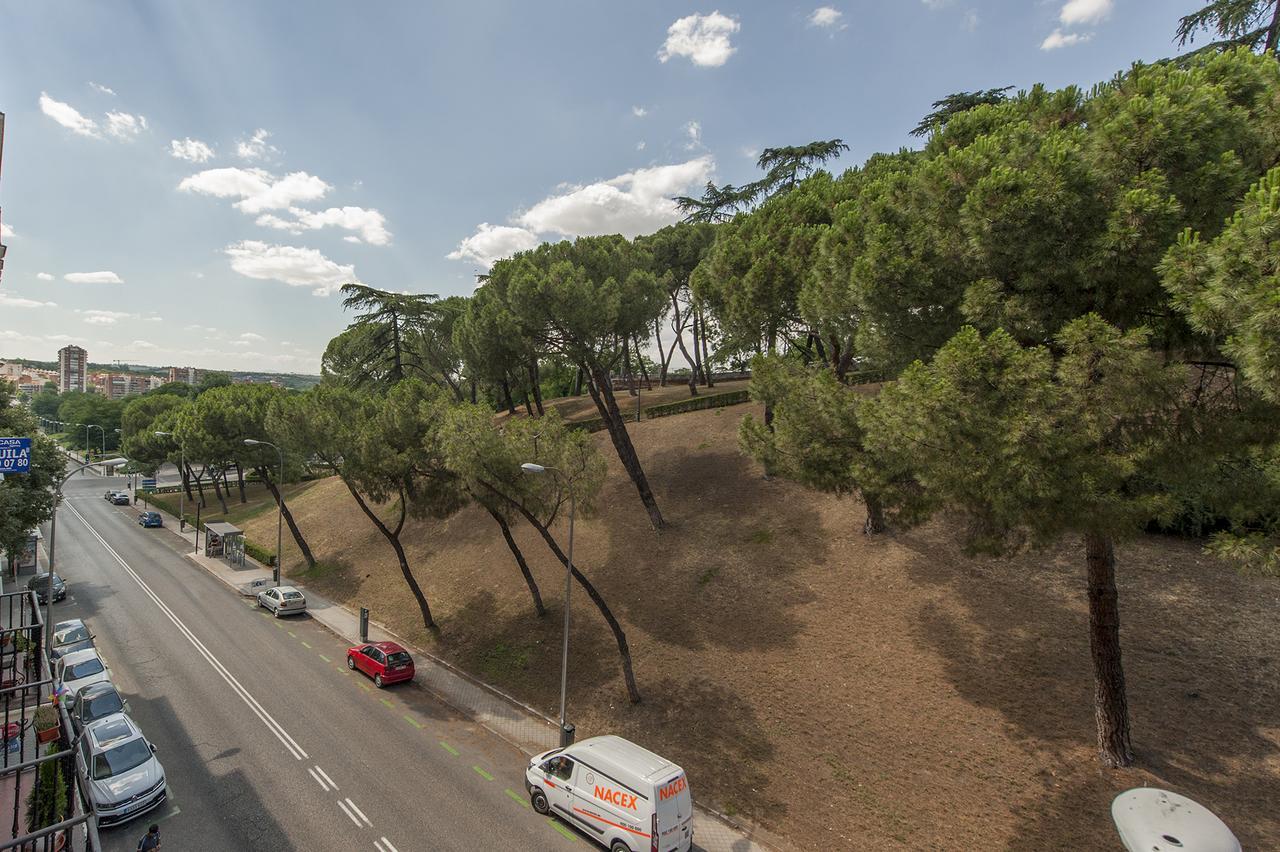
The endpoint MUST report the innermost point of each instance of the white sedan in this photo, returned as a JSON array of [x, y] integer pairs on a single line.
[[79, 669], [283, 600]]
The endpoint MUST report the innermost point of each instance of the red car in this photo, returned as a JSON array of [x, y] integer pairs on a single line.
[[385, 662]]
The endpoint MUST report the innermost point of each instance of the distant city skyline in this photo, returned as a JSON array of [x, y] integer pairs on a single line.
[[190, 185]]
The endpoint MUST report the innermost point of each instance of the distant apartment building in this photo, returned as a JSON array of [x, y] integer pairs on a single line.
[[73, 363], [120, 385], [186, 375]]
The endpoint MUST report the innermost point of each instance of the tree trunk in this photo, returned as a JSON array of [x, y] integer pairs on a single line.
[[1110, 704], [217, 490], [473, 391], [288, 519], [607, 405], [698, 373], [393, 537], [524, 566], [1273, 31], [577, 383], [185, 472], [644, 370], [626, 366], [875, 514], [240, 482], [506, 397], [535, 382], [624, 650], [692, 359], [704, 357], [657, 337]]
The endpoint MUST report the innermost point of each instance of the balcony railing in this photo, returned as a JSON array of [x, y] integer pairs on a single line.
[[43, 795]]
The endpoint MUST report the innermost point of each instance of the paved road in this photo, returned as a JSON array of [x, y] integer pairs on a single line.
[[268, 741]]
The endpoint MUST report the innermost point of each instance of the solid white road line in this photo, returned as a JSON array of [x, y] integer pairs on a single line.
[[377, 844], [326, 777], [350, 815], [323, 786], [390, 848], [272, 725], [359, 813]]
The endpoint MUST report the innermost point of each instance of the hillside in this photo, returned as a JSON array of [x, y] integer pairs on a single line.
[[844, 691]]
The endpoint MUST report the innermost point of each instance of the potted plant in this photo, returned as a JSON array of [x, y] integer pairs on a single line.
[[46, 723], [47, 801]]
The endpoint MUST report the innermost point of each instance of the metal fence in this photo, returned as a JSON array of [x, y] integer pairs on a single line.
[[44, 795]]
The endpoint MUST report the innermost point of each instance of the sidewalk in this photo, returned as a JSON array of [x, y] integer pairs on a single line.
[[514, 721]]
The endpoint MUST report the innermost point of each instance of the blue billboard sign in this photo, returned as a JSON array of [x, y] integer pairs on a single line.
[[15, 455]]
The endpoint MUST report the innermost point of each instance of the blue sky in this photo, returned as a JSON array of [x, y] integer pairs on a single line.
[[189, 183]]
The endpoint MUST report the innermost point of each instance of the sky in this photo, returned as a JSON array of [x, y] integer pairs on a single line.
[[189, 184]]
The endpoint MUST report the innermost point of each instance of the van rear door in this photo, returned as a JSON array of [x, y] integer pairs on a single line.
[[674, 809]]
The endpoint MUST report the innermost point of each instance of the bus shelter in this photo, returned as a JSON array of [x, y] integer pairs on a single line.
[[224, 540]]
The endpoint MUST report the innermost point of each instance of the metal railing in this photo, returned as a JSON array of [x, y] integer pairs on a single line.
[[48, 788]]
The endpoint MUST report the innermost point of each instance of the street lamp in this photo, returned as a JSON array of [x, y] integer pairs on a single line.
[[566, 733], [251, 442], [182, 480], [53, 545]]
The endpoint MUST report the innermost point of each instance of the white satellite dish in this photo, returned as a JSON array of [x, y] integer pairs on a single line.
[[1151, 820]]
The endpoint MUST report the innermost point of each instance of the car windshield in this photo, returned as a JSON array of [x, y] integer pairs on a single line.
[[73, 634], [75, 671], [122, 758], [101, 705], [398, 658]]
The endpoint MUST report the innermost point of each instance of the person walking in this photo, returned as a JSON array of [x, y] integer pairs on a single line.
[[151, 840]]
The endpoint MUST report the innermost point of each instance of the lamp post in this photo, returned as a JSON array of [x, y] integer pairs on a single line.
[[565, 731], [53, 546], [182, 478], [279, 504]]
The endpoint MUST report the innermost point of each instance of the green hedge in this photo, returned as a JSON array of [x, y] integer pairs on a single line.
[[266, 557], [698, 403]]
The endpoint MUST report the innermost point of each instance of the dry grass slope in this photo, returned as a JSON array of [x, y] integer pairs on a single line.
[[849, 692]]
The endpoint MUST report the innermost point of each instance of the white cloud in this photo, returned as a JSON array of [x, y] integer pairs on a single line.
[[493, 242], [639, 111], [192, 150], [971, 20], [96, 317], [124, 126], [69, 117], [44, 276], [1084, 11], [637, 202], [369, 224], [704, 39], [257, 189], [256, 146], [7, 301], [937, 4], [640, 145], [826, 16], [98, 87], [6, 231], [693, 130], [93, 278], [297, 267], [1058, 38], [249, 335], [143, 344], [351, 238]]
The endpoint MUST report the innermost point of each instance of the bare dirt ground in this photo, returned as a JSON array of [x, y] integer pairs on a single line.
[[848, 692], [574, 408]]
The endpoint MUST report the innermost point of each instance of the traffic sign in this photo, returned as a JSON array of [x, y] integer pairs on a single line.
[[149, 485], [15, 455]]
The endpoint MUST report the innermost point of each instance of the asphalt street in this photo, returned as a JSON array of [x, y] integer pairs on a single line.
[[269, 742]]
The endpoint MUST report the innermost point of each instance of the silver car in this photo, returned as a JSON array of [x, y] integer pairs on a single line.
[[125, 778], [283, 600], [79, 669]]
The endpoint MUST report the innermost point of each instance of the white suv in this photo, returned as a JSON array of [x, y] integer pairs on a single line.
[[125, 779]]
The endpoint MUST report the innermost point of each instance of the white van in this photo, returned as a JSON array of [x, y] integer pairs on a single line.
[[625, 797]]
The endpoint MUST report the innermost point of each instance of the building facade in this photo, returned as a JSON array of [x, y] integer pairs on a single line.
[[73, 363], [186, 375]]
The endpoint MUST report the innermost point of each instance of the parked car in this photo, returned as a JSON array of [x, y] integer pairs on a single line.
[[627, 796], [125, 778], [40, 585], [69, 637], [121, 498], [79, 669], [110, 495], [385, 662], [95, 702], [283, 600], [151, 519]]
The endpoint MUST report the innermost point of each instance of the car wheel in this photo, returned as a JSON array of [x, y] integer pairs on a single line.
[[619, 846], [539, 801], [351, 663], [276, 612], [377, 681]]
